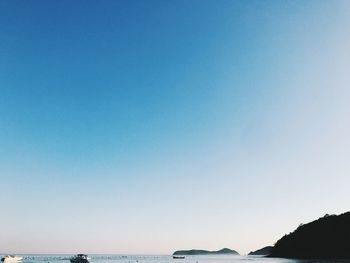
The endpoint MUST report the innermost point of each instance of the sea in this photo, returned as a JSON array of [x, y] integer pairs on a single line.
[[168, 259]]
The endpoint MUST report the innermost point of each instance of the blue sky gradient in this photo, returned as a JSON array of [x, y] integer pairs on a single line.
[[150, 126]]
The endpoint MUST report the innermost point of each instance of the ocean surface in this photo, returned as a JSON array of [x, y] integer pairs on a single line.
[[167, 259]]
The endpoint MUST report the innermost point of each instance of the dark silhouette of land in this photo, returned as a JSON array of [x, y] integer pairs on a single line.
[[224, 251], [262, 252], [325, 238]]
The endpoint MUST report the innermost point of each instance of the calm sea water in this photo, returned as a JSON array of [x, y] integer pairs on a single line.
[[167, 259]]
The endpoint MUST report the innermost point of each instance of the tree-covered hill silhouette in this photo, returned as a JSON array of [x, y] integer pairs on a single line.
[[325, 238]]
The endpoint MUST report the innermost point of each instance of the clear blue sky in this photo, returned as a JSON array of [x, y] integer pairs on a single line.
[[150, 126]]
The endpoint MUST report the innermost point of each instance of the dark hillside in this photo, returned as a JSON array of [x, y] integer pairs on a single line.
[[326, 238]]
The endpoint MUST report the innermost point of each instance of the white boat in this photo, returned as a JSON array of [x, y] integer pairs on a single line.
[[11, 259]]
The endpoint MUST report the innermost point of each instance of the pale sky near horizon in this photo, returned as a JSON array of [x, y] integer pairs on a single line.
[[151, 126]]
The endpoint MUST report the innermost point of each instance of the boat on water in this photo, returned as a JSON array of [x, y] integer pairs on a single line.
[[178, 257], [80, 258], [11, 259]]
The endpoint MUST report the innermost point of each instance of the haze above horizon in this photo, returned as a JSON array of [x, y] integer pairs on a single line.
[[152, 126]]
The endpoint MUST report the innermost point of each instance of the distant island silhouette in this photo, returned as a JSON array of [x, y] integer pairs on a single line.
[[325, 238], [262, 252], [224, 251]]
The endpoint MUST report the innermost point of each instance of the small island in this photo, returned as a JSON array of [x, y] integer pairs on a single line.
[[325, 238], [193, 252], [261, 252]]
